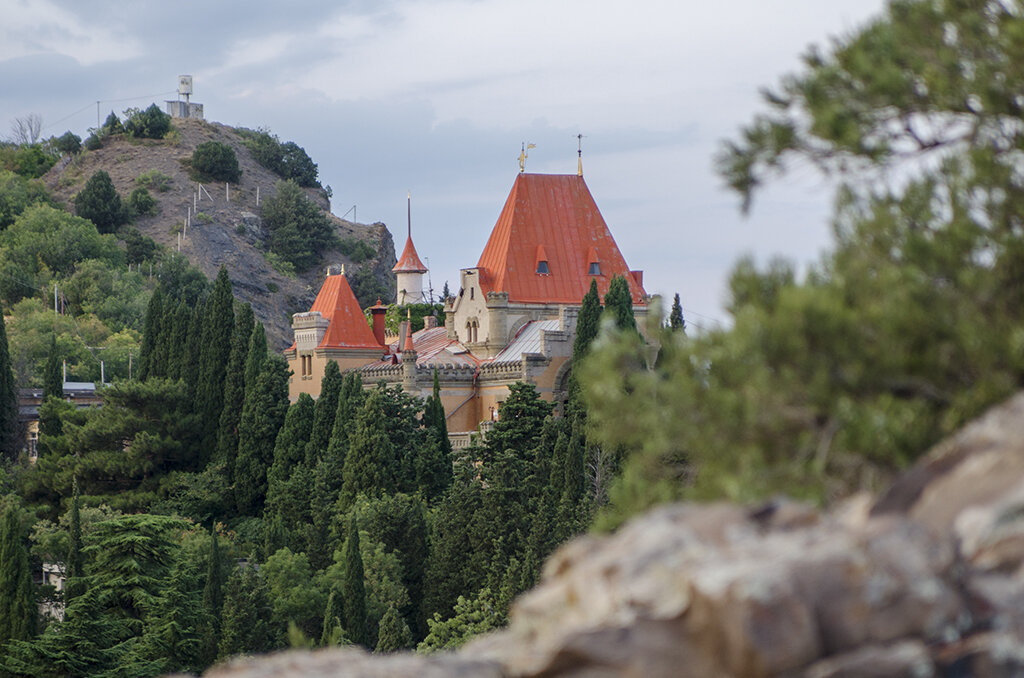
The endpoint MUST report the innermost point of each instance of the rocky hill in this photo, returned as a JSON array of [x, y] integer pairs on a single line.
[[228, 230]]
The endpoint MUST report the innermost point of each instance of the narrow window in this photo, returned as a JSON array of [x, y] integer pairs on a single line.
[[595, 268], [542, 268], [471, 290]]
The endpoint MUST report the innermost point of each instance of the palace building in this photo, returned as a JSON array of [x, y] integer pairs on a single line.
[[512, 319]]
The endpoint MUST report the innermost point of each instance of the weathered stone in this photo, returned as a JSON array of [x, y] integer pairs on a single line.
[[908, 659], [355, 663]]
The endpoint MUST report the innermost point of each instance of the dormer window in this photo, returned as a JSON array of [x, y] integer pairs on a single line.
[[593, 263], [542, 261]]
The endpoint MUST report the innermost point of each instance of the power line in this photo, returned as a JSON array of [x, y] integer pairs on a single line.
[[107, 101]]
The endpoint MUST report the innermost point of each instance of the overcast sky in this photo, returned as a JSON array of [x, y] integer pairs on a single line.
[[436, 96]]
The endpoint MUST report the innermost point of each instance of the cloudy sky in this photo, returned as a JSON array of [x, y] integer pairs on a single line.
[[436, 96]]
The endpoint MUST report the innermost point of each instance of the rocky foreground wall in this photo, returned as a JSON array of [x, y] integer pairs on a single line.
[[926, 580]]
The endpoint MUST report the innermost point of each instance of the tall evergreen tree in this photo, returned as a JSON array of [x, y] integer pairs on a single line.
[[433, 461], [213, 602], [177, 321], [172, 641], [218, 327], [675, 318], [234, 385], [74, 569], [393, 634], [10, 441], [17, 596], [193, 346], [323, 417], [151, 328], [53, 377], [587, 323], [266, 405], [332, 631], [289, 479], [353, 588], [247, 611], [370, 465], [619, 304]]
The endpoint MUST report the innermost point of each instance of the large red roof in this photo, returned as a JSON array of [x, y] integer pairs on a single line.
[[348, 328], [409, 262], [552, 216]]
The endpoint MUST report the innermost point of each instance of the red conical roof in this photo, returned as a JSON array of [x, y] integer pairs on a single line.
[[409, 262], [348, 328], [556, 215]]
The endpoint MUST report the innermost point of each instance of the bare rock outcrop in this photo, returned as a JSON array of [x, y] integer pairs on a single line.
[[927, 580]]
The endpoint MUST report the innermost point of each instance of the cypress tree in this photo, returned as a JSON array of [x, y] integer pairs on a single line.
[[53, 377], [17, 597], [587, 323], [218, 327], [433, 462], [266, 405], [370, 465], [332, 629], [323, 417], [675, 319], [353, 586], [619, 303], [213, 602], [234, 385], [190, 356], [74, 570], [247, 612], [393, 633], [256, 355], [10, 441], [289, 480], [151, 331]]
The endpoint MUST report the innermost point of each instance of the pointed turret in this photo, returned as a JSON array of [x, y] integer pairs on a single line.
[[409, 270]]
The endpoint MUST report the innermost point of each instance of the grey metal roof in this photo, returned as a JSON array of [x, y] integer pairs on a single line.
[[527, 340]]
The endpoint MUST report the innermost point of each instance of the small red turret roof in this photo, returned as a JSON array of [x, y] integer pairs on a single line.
[[556, 215], [409, 262], [348, 328]]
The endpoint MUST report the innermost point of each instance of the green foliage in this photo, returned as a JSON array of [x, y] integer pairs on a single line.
[[27, 160], [266, 403], [10, 438], [214, 161], [99, 202], [288, 478], [299, 230], [324, 414], [618, 303], [17, 596], [234, 388], [472, 617], [357, 250], [154, 180], [218, 327], [371, 464], [294, 598], [68, 143], [586, 324], [151, 123], [287, 160], [141, 203], [112, 125], [93, 142], [675, 318], [353, 588], [53, 379], [393, 633], [18, 194], [247, 612]]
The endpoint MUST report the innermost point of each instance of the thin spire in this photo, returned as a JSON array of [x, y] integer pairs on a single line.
[[408, 215], [579, 155]]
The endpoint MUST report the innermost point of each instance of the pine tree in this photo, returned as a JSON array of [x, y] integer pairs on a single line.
[[353, 587], [172, 641], [10, 442], [619, 304], [266, 405], [17, 596], [323, 417], [99, 202], [53, 377], [393, 633], [218, 327], [675, 318]]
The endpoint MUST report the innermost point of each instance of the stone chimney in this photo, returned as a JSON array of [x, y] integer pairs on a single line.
[[378, 312]]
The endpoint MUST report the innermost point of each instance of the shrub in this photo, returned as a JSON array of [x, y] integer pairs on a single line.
[[151, 123], [214, 161], [357, 250], [155, 180], [68, 143], [99, 202], [141, 202], [299, 230], [112, 125], [93, 142], [287, 160], [139, 247]]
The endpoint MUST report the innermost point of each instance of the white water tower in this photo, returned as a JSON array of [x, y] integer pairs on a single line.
[[184, 109]]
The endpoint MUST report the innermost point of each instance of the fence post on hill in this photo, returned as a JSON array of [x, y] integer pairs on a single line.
[[257, 196], [227, 192]]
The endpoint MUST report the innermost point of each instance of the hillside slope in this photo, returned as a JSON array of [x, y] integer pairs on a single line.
[[230, 233]]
